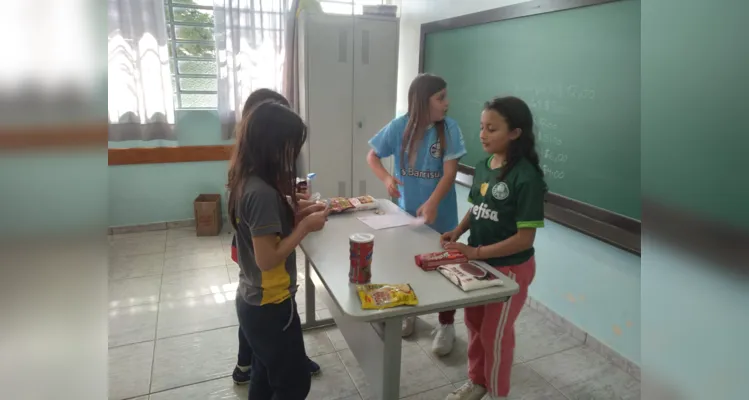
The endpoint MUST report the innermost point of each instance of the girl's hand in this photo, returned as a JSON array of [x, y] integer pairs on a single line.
[[303, 195], [428, 211], [468, 251], [449, 237], [307, 208], [391, 183], [315, 221]]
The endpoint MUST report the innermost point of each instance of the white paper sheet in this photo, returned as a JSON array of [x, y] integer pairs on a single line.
[[385, 221]]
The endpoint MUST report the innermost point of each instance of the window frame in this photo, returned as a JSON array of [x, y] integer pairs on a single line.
[[175, 58]]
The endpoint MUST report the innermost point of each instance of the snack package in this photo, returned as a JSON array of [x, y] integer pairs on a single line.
[[430, 261], [363, 203], [377, 296], [339, 204], [469, 276]]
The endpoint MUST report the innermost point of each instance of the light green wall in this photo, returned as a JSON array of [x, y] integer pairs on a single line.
[[142, 194], [593, 285]]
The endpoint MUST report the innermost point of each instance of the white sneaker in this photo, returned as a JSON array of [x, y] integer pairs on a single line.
[[444, 337], [469, 391], [407, 329]]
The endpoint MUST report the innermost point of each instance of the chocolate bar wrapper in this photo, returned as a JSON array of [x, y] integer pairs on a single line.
[[430, 261], [363, 203], [469, 277]]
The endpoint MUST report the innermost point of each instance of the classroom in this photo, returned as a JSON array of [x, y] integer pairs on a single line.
[[541, 107]]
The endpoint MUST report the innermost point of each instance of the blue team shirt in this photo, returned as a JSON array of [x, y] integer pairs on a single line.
[[420, 180]]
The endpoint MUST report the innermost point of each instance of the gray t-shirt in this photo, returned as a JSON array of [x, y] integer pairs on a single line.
[[263, 212]]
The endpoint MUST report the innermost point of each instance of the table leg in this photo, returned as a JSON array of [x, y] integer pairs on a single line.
[[310, 296], [389, 387], [309, 292]]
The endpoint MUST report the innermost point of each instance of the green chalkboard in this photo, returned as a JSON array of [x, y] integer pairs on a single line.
[[579, 70]]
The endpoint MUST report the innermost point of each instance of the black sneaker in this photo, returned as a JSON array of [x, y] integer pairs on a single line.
[[314, 368], [242, 378]]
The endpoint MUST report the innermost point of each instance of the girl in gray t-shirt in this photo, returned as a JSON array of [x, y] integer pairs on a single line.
[[261, 179]]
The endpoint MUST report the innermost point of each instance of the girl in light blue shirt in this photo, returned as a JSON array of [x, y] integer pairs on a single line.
[[427, 146]]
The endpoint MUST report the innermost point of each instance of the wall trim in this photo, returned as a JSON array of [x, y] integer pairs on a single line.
[[41, 137], [164, 155]]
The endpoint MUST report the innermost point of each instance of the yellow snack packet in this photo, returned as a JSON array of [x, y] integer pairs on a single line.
[[377, 296]]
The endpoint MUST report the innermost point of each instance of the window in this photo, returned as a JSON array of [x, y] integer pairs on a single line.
[[192, 47], [192, 53]]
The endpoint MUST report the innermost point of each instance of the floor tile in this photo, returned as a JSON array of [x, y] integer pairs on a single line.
[[192, 311], [233, 269], [130, 370], [455, 364], [435, 394], [193, 283], [333, 382], [317, 342], [301, 301], [536, 336], [184, 262], [179, 233], [195, 314], [134, 247], [150, 235], [323, 314], [134, 291], [336, 337], [132, 324], [198, 357], [418, 373], [217, 389], [136, 266], [193, 245], [581, 373], [526, 384]]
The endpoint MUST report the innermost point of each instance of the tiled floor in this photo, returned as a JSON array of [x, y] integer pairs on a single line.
[[172, 335]]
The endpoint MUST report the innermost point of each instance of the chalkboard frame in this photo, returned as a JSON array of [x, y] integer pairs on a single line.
[[612, 228]]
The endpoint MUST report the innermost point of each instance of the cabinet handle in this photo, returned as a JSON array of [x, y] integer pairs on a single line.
[[365, 47], [342, 189], [359, 124], [342, 45]]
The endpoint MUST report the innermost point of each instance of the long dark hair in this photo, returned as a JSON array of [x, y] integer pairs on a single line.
[[518, 115], [269, 140], [422, 88], [256, 97], [262, 95]]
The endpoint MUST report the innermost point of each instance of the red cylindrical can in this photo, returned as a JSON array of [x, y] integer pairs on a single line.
[[361, 247]]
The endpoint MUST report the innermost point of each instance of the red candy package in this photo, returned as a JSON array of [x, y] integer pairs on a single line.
[[339, 204], [430, 261]]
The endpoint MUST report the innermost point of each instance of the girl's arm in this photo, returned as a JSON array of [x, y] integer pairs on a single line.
[[270, 253], [262, 213], [455, 149], [375, 164], [445, 183], [464, 224], [521, 241]]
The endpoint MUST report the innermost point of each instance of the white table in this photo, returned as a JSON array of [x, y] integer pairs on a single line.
[[374, 336]]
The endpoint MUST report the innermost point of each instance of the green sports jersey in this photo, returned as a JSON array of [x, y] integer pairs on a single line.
[[501, 208]]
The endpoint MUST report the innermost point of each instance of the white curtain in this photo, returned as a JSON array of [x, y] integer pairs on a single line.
[[141, 103], [250, 52]]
